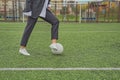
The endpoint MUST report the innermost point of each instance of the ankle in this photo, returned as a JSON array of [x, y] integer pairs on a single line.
[[22, 47], [54, 41]]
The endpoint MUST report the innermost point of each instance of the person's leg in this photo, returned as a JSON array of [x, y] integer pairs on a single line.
[[29, 27], [50, 18]]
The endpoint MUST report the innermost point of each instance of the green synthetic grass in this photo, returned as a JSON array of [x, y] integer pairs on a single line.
[[60, 75], [85, 45]]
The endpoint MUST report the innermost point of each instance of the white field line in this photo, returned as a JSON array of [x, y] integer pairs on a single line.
[[66, 31], [90, 31], [59, 69]]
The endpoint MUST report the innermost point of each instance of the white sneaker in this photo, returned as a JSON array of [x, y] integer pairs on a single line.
[[53, 46], [23, 51]]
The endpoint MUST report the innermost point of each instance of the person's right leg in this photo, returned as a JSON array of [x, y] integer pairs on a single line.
[[50, 18], [29, 27]]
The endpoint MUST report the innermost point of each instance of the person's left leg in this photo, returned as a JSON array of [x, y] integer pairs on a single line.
[[28, 30], [29, 27]]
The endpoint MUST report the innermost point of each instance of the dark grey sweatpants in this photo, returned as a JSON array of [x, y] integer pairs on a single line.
[[50, 18]]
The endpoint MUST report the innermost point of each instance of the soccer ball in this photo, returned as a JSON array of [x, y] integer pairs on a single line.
[[59, 49]]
